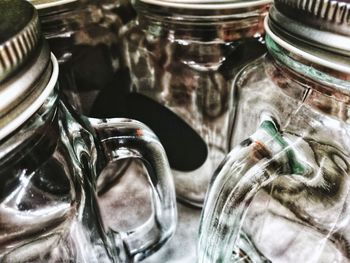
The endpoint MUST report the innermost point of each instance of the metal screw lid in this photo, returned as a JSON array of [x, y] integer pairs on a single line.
[[321, 23], [333, 11], [25, 67], [20, 35]]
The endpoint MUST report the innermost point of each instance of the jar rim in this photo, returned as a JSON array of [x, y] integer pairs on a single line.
[[308, 52], [33, 107], [207, 4]]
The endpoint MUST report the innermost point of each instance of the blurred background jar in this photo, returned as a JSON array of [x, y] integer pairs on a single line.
[[180, 59], [282, 194], [118, 10], [83, 34]]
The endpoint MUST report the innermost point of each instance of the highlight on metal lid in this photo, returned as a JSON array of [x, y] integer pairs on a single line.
[[322, 23], [207, 4], [43, 4], [19, 35]]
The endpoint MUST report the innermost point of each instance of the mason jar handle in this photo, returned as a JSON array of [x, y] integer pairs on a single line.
[[125, 138], [250, 166]]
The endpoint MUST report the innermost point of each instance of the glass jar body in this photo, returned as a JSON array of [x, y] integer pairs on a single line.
[[84, 38], [188, 71], [49, 209], [45, 212], [282, 194]]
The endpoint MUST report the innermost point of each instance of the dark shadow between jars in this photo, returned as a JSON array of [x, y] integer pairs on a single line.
[[185, 149]]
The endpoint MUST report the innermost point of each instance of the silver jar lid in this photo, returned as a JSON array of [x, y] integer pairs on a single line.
[[317, 30], [322, 23], [25, 65], [19, 38], [207, 4]]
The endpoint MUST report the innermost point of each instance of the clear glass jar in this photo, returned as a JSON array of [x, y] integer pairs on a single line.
[[121, 10], [83, 35], [48, 206], [181, 59], [282, 194], [50, 160]]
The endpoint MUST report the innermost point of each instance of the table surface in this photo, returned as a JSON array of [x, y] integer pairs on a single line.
[[127, 204], [182, 247]]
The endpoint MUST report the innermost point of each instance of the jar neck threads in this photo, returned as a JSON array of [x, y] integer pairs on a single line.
[[337, 80], [224, 25], [325, 90], [36, 125], [66, 19]]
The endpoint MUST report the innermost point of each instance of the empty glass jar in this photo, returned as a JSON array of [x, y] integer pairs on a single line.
[[50, 160], [83, 35], [282, 194], [181, 58]]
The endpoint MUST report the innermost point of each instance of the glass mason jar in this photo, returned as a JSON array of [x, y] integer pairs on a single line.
[[181, 58], [282, 194], [83, 35], [50, 160], [121, 10]]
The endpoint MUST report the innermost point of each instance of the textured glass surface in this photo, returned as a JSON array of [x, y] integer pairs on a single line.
[[48, 205], [185, 65], [282, 194], [84, 38]]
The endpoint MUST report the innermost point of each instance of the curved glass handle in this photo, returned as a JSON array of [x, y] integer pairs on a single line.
[[249, 167], [124, 138]]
